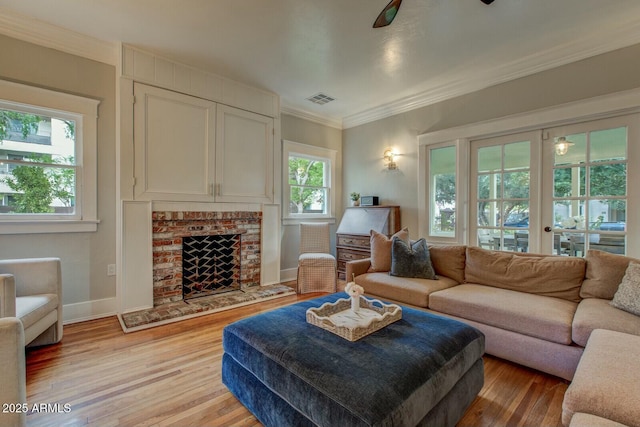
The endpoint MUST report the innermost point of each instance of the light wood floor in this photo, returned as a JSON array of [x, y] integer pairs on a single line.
[[170, 376]]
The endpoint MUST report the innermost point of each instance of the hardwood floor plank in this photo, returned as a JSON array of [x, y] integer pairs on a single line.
[[171, 376]]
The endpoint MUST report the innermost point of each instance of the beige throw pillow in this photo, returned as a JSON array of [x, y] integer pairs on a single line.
[[627, 297], [604, 274], [381, 249]]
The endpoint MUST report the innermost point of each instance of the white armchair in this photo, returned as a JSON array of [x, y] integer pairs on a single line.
[[13, 383], [31, 290]]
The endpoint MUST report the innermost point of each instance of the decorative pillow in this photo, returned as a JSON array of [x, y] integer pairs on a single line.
[[381, 249], [449, 261], [411, 259], [627, 297], [604, 274]]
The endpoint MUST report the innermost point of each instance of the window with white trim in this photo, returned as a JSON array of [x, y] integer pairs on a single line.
[[308, 174], [47, 161]]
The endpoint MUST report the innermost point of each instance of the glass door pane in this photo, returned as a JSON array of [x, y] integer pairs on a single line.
[[503, 191], [588, 202]]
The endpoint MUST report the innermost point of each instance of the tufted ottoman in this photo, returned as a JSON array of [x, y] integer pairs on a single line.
[[421, 370]]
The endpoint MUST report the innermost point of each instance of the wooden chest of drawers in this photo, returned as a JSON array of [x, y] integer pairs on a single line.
[[353, 235]]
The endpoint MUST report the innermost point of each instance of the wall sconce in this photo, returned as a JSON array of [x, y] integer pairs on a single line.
[[562, 146], [389, 159]]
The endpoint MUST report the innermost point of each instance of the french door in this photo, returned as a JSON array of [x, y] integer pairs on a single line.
[[586, 186], [504, 192], [561, 190]]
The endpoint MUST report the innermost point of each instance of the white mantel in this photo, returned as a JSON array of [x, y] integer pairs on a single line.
[[136, 281]]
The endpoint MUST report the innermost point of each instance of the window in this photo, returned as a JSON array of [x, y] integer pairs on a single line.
[[308, 172], [503, 191], [442, 184], [579, 178], [47, 161], [39, 170], [590, 188]]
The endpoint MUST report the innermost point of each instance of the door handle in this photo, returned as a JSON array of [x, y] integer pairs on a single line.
[[547, 229]]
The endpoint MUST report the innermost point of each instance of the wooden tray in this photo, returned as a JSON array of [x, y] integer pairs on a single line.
[[338, 317]]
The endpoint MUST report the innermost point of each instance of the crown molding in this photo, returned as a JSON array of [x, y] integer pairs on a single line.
[[623, 35], [38, 32], [312, 117]]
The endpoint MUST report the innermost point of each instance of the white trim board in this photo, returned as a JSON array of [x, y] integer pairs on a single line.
[[89, 310], [38, 32], [618, 103]]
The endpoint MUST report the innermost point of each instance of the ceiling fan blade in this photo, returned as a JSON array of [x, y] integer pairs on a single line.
[[487, 1], [388, 13]]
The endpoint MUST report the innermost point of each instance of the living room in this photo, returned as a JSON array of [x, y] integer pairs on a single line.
[[594, 65]]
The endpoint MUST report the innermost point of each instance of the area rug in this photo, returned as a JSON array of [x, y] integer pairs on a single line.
[[182, 310]]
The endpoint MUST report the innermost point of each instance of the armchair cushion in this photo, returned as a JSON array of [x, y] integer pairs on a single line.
[[31, 290], [32, 308]]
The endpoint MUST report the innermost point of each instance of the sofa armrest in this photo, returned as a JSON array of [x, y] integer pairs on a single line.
[[356, 268], [7, 295], [34, 276], [12, 370]]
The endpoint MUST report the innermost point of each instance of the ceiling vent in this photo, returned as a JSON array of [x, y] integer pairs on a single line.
[[320, 99]]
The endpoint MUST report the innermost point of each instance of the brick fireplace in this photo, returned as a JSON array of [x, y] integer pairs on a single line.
[[169, 229]]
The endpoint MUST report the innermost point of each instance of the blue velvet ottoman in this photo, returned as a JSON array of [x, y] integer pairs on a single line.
[[422, 370]]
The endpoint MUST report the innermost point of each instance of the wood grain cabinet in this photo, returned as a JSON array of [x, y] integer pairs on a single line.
[[353, 235]]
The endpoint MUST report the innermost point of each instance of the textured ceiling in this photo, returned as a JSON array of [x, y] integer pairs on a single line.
[[297, 48]]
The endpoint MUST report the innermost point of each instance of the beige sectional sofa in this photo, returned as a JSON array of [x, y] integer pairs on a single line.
[[534, 310]]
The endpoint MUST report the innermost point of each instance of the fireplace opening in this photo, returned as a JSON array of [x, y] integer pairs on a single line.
[[210, 265]]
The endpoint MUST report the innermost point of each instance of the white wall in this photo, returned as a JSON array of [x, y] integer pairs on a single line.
[[363, 145], [87, 290]]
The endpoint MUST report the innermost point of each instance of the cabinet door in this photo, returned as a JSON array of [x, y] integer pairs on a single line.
[[244, 156], [174, 145]]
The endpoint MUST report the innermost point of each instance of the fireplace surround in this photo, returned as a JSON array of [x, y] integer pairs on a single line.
[[169, 228]]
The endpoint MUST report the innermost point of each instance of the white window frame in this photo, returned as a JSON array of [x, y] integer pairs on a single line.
[[424, 198], [605, 106], [84, 111], [304, 150]]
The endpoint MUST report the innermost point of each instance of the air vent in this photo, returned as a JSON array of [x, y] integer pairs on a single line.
[[320, 99]]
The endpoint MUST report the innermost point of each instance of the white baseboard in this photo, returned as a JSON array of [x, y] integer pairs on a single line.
[[89, 310], [288, 274]]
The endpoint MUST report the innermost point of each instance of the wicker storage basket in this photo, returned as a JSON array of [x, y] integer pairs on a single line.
[[338, 317]]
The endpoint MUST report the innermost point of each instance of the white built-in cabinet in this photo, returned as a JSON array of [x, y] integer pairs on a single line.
[[244, 156], [190, 149]]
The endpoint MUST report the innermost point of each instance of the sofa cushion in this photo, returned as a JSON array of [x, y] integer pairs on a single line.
[[411, 259], [402, 289], [553, 276], [380, 246], [533, 315], [596, 313], [604, 273], [607, 381], [580, 419], [627, 296], [30, 309], [449, 261]]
